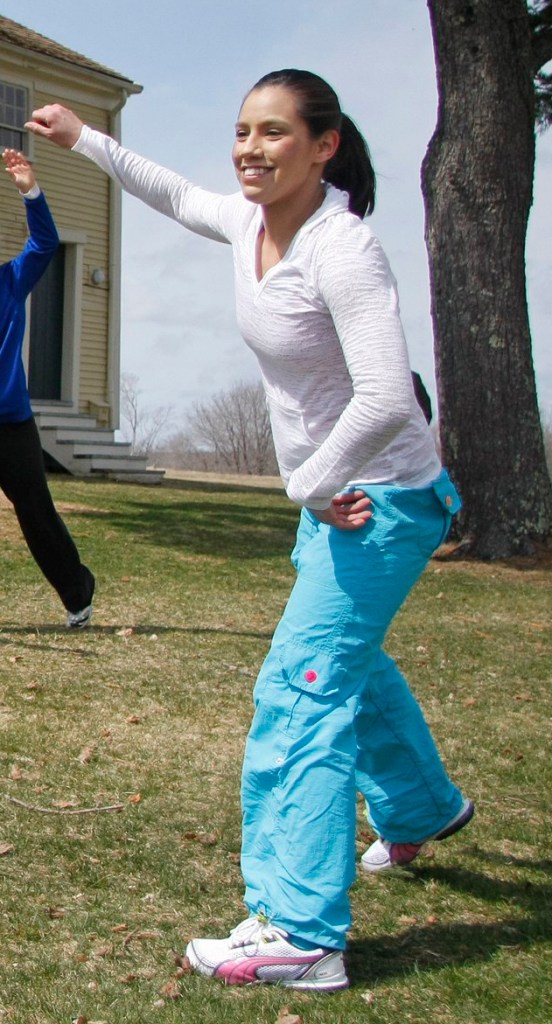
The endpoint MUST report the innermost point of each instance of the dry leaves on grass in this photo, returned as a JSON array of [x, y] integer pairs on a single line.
[[285, 1017], [100, 952], [54, 913], [205, 838], [81, 1019], [144, 974], [6, 848], [86, 755], [171, 990], [140, 935], [183, 964]]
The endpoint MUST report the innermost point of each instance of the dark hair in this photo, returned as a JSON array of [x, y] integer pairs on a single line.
[[422, 397], [351, 168]]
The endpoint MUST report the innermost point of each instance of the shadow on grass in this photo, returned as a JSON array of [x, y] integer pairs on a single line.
[[430, 947], [202, 527], [72, 636], [216, 487], [507, 859], [495, 890], [173, 483]]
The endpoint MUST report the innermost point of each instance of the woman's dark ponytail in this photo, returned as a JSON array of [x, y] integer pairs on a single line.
[[351, 168]]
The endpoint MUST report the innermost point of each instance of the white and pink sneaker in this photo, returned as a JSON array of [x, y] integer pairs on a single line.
[[383, 855], [258, 952]]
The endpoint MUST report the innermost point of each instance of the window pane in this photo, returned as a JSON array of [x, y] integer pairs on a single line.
[[12, 139], [13, 114]]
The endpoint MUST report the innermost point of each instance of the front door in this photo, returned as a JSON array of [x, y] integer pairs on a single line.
[[46, 331]]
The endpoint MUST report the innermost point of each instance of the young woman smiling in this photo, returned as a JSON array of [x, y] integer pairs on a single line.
[[317, 303]]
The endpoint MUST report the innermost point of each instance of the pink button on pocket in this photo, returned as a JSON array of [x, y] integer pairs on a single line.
[[311, 676]]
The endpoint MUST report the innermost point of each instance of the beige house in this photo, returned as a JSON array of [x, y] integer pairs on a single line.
[[72, 346]]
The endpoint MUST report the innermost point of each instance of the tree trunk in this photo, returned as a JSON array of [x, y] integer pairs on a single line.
[[477, 181]]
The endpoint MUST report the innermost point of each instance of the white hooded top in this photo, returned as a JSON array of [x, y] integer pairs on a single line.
[[324, 324]]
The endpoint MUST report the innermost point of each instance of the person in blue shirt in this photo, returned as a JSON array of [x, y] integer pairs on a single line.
[[22, 474]]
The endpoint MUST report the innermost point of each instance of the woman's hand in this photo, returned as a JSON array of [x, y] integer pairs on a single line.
[[56, 123], [346, 512]]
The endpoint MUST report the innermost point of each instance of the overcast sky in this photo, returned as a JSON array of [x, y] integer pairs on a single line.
[[195, 61]]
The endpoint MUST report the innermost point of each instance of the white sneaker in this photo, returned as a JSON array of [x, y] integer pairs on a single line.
[[79, 620], [257, 951], [383, 855]]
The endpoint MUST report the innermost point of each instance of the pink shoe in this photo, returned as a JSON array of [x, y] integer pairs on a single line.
[[383, 855], [257, 951]]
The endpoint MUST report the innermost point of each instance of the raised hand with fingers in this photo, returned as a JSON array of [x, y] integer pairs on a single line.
[[19, 169], [56, 123]]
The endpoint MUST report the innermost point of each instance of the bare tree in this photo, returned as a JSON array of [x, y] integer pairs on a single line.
[[235, 426], [142, 425], [477, 181], [179, 450]]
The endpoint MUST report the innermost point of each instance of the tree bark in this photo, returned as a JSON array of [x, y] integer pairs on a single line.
[[477, 181]]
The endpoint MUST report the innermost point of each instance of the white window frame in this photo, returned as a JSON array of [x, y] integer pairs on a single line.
[[26, 146]]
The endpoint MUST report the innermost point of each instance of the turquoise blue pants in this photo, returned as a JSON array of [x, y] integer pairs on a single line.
[[333, 714]]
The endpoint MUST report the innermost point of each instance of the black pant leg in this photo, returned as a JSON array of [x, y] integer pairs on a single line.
[[23, 480]]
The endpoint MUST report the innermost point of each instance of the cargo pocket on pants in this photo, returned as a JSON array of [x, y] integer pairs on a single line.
[[315, 672]]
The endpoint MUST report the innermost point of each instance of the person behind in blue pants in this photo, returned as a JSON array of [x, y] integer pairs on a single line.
[[22, 475], [317, 303]]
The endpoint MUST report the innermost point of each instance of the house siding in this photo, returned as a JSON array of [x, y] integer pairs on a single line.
[[78, 194]]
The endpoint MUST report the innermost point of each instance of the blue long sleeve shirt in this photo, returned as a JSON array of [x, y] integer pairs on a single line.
[[17, 278]]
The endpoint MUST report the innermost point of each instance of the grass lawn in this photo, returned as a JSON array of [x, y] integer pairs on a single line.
[[147, 712]]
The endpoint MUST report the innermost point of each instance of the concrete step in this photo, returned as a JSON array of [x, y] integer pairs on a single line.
[[114, 449], [82, 435], [76, 444], [132, 464], [149, 476], [48, 420]]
